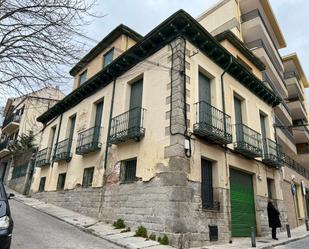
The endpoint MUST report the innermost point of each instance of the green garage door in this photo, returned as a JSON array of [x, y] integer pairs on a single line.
[[242, 204]]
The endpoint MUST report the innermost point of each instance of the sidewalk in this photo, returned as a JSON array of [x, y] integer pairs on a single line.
[[90, 225], [127, 239]]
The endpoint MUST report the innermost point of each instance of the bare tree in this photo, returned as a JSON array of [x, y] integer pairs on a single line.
[[39, 39]]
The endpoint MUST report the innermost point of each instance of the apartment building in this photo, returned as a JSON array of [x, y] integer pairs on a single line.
[[172, 131], [20, 136], [254, 23]]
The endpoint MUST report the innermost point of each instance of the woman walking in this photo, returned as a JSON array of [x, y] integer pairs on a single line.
[[273, 219]]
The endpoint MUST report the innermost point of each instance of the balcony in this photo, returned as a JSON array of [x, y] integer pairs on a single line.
[[300, 131], [11, 123], [4, 151], [248, 141], [63, 151], [128, 126], [293, 85], [298, 109], [89, 141], [291, 163], [212, 124], [43, 157], [272, 153]]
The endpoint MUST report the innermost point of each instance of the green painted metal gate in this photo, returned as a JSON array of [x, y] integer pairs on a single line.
[[242, 204]]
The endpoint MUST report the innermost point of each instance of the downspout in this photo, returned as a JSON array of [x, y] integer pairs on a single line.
[[224, 124], [107, 146], [109, 125], [57, 139]]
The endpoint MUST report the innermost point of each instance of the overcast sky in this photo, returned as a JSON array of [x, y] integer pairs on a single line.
[[144, 15]]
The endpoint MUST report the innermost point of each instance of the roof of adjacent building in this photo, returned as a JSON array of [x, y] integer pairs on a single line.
[[233, 39], [179, 24], [298, 66], [103, 44]]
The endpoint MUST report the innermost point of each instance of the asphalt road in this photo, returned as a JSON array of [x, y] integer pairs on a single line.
[[36, 230], [299, 244]]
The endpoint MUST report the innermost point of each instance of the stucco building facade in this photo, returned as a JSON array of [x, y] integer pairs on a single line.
[[173, 131]]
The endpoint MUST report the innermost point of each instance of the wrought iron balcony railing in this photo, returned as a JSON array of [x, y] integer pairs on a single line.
[[128, 126], [291, 163], [272, 153], [63, 151], [248, 141], [43, 157], [286, 130], [89, 140], [212, 124], [11, 118], [4, 144]]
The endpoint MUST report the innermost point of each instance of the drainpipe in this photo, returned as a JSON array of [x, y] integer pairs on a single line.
[[222, 89], [109, 125], [57, 139], [224, 124]]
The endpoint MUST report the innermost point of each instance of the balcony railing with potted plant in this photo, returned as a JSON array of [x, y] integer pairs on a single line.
[[43, 157], [63, 151], [248, 141], [89, 140], [272, 153], [212, 124], [128, 126]]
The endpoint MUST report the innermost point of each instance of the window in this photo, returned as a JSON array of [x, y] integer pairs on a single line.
[[263, 125], [270, 183], [82, 77], [129, 170], [206, 184], [42, 184], [108, 57], [61, 181], [88, 177], [19, 171]]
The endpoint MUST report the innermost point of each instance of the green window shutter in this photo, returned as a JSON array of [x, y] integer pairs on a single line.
[[205, 115], [135, 107], [242, 203], [204, 88], [238, 119], [206, 184], [263, 125]]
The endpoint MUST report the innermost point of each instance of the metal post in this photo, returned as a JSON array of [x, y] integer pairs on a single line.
[[307, 225], [288, 231], [253, 237]]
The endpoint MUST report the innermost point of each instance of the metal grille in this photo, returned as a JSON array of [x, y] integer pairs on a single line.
[[88, 177], [19, 171], [213, 233], [42, 184], [61, 181], [130, 170]]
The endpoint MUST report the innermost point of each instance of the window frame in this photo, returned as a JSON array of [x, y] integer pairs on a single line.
[[124, 173], [112, 50], [84, 73], [86, 183], [60, 187]]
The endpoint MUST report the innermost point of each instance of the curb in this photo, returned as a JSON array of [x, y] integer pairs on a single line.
[[84, 229], [286, 242]]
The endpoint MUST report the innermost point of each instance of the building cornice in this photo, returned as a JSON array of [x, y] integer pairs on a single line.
[[179, 24]]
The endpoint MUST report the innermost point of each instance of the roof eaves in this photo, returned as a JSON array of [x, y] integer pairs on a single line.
[[179, 24]]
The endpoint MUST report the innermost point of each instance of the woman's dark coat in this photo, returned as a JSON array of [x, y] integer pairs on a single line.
[[273, 216]]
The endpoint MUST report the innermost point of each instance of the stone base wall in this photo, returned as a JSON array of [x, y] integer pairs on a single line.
[[169, 206], [18, 184], [82, 200]]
